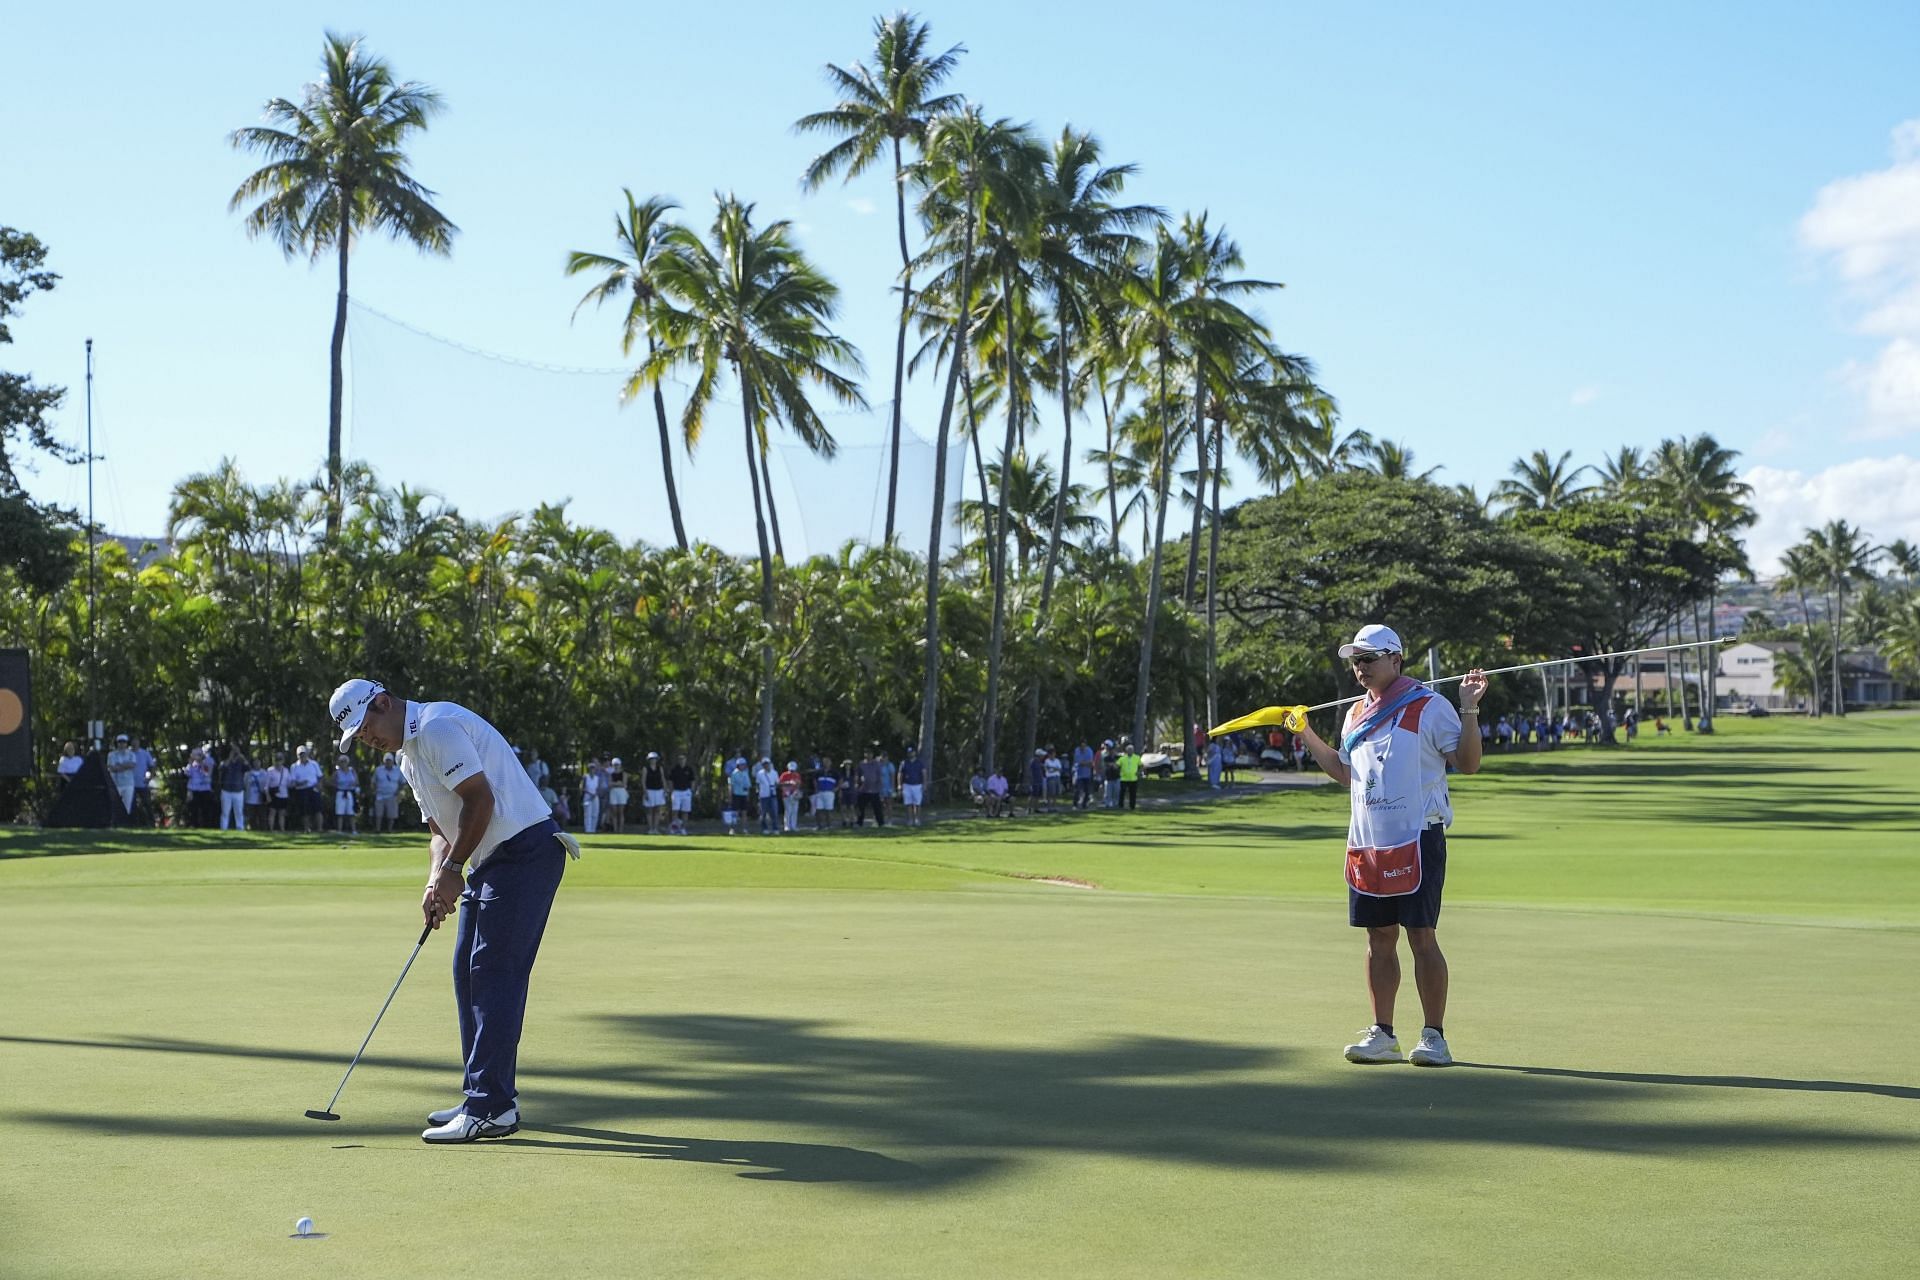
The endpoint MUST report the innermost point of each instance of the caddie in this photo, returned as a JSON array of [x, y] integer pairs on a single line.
[[1393, 755], [497, 851]]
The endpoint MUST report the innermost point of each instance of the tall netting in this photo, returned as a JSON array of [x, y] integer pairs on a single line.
[[425, 408]]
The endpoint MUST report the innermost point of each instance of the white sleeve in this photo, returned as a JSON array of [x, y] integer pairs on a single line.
[[446, 754]]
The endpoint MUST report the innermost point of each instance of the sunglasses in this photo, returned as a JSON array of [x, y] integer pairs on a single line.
[[1370, 657]]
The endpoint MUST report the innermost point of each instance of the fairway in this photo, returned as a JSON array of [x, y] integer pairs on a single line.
[[1681, 1000]]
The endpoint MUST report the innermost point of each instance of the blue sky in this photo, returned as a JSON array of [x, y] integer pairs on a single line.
[[1501, 227]]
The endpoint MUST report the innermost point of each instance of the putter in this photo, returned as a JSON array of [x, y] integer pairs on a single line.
[[328, 1114]]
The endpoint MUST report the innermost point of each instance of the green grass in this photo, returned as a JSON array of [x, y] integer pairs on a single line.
[[1683, 969]]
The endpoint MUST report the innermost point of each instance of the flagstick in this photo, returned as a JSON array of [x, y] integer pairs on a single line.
[[1551, 662]]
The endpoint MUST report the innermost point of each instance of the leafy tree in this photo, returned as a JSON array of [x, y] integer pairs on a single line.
[[337, 169], [881, 106], [627, 274], [34, 535], [1300, 570]]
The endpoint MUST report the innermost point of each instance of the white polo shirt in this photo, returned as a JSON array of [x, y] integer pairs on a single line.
[[445, 745]]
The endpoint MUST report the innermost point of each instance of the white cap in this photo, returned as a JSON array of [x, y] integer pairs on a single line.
[[653, 755], [793, 764], [348, 707], [1373, 638], [618, 760]]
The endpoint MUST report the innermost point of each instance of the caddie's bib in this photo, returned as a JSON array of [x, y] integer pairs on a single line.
[[1389, 807]]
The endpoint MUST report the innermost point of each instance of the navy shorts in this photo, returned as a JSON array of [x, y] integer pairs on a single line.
[[1420, 910]]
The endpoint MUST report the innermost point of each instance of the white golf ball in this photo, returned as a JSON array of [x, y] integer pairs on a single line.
[[303, 1227]]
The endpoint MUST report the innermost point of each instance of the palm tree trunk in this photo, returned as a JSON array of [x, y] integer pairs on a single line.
[[1709, 668], [1686, 707], [1032, 735], [997, 642], [930, 684], [1806, 629], [1213, 573], [766, 578], [1153, 567], [980, 470], [337, 379], [1113, 498], [666, 456], [1190, 764], [773, 512], [1839, 618], [900, 345]]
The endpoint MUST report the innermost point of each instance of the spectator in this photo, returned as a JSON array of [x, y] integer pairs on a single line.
[[1083, 776], [201, 809], [913, 785], [887, 775], [1129, 775], [537, 769], [849, 789], [386, 793], [977, 787], [277, 775], [766, 790], [143, 782], [680, 794], [303, 779], [593, 792], [869, 794], [122, 768], [739, 787], [1053, 770], [1109, 775], [997, 794], [70, 761], [257, 796], [825, 792], [346, 796], [653, 792], [1037, 780], [1213, 764], [617, 795], [233, 790], [790, 797]]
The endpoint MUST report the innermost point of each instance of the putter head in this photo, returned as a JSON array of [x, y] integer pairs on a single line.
[[321, 1115]]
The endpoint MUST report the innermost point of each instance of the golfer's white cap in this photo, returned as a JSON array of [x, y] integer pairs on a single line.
[[1373, 638], [348, 707]]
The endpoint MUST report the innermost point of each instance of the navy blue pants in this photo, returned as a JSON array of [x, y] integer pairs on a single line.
[[503, 914]]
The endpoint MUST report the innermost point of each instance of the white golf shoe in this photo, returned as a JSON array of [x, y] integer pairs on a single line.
[[1431, 1051], [465, 1128], [1374, 1045]]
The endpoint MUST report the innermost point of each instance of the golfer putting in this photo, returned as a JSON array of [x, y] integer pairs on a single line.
[[497, 852], [1394, 751]]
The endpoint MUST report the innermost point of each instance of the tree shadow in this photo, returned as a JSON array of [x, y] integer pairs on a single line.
[[938, 1114]]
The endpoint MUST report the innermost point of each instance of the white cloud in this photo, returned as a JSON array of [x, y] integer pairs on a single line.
[[1868, 225], [1583, 396], [862, 206], [1880, 495]]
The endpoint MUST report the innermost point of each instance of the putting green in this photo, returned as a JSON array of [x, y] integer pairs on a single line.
[[1680, 968]]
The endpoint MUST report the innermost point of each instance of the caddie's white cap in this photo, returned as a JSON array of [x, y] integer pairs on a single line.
[[1373, 638], [348, 707]]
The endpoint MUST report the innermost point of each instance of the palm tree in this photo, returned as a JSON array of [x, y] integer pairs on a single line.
[[335, 169], [749, 301], [1541, 483], [1034, 500], [1842, 554], [1903, 558], [1624, 473], [1394, 460], [1695, 479], [1901, 640], [628, 273], [1800, 569], [880, 107]]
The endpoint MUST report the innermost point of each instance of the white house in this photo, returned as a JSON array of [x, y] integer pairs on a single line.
[[1748, 675]]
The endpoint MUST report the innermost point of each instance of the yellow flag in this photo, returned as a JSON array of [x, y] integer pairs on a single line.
[[1293, 719]]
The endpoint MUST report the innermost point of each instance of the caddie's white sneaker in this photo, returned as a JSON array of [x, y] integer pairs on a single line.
[[1431, 1051], [466, 1128], [1374, 1045]]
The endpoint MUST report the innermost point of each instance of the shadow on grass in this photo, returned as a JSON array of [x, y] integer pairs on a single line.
[[967, 1111], [35, 842]]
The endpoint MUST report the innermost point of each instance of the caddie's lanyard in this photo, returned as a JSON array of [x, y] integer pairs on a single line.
[[1383, 715]]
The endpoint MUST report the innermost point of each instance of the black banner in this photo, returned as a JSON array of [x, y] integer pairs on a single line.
[[16, 714]]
